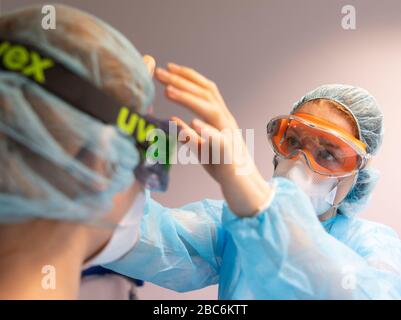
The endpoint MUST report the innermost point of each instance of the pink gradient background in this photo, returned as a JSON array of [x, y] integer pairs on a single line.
[[264, 55]]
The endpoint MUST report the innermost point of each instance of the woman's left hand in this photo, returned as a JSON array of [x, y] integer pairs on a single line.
[[243, 187]]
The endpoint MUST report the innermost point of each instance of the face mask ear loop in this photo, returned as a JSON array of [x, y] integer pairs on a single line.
[[335, 206]]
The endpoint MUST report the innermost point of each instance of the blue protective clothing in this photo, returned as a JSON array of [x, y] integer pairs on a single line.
[[57, 162], [284, 252]]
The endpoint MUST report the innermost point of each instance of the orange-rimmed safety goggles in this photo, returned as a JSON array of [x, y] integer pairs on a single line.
[[327, 148]]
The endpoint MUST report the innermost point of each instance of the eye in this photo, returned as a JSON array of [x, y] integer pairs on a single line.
[[326, 155], [293, 142]]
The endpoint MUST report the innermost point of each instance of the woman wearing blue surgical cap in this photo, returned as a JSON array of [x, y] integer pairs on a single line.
[[293, 237], [67, 188]]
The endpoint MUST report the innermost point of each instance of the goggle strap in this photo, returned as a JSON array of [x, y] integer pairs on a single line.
[[46, 71]]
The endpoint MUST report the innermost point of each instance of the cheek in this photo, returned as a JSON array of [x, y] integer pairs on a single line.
[[122, 202]]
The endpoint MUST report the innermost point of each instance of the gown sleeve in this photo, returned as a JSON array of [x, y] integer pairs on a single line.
[[286, 253], [178, 248]]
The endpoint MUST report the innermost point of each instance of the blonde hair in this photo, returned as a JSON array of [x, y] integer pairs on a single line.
[[342, 111]]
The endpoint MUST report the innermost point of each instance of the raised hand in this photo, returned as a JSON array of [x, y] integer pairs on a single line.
[[242, 185]]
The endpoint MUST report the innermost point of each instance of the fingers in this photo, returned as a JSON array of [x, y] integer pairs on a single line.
[[195, 77], [191, 133], [196, 93], [181, 83], [150, 64], [191, 75], [199, 106], [212, 138], [209, 90], [202, 127]]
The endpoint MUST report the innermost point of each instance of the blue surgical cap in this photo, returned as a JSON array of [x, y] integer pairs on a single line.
[[55, 161], [369, 119]]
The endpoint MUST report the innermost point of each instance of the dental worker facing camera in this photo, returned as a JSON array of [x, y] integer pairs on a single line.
[[295, 236]]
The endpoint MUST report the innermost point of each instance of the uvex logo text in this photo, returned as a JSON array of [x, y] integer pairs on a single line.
[[27, 62], [130, 123]]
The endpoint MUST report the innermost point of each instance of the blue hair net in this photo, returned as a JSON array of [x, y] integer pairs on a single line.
[[364, 108], [55, 161]]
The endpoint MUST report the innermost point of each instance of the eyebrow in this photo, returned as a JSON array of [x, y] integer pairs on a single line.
[[329, 144], [321, 139]]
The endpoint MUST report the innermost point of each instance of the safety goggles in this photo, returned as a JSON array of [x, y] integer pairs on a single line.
[[46, 71], [327, 149]]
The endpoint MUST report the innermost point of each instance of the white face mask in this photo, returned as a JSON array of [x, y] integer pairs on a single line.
[[320, 189], [124, 236]]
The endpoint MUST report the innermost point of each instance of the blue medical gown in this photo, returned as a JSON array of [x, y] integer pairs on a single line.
[[284, 252]]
